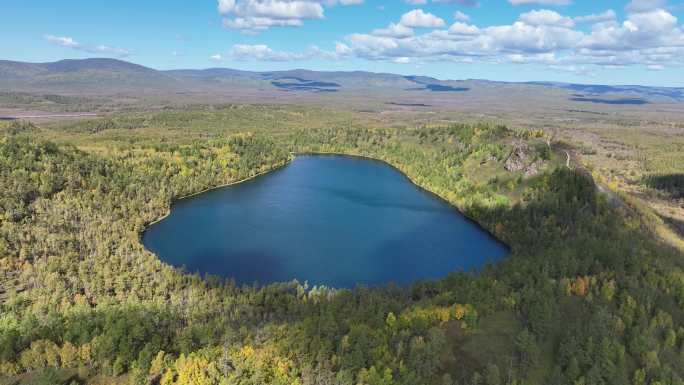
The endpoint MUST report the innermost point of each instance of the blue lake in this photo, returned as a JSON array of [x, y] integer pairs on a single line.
[[332, 220]]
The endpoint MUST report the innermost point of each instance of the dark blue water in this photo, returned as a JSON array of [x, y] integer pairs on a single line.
[[332, 220]]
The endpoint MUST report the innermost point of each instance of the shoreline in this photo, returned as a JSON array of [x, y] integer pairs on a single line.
[[421, 187], [174, 200], [293, 156]]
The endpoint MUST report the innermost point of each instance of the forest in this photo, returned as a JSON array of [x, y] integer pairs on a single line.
[[589, 294]]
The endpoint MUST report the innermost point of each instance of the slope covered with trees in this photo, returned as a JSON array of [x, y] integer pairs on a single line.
[[587, 296]]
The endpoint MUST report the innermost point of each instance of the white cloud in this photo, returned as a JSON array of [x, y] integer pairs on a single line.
[[464, 3], [105, 49], [546, 17], [532, 39], [342, 49], [226, 6], [540, 2], [608, 15], [370, 46], [459, 28], [64, 41], [262, 52], [421, 19], [259, 23], [68, 42], [644, 30], [460, 16], [657, 20], [649, 38], [545, 58], [255, 15], [636, 6], [216, 57], [394, 30], [280, 9]]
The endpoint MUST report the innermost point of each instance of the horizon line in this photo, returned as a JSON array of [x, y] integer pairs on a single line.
[[529, 82]]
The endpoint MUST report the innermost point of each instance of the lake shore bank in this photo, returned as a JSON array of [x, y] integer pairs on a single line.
[[293, 157], [420, 186], [174, 200]]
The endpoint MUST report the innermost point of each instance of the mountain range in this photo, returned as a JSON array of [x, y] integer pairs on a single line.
[[111, 76]]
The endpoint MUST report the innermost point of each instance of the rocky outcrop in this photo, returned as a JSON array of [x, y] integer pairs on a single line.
[[519, 157], [534, 168], [523, 158]]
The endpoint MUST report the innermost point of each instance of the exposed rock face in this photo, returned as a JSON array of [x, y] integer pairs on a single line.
[[519, 157], [522, 158], [533, 168]]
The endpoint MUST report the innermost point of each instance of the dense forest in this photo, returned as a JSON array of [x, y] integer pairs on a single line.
[[587, 296]]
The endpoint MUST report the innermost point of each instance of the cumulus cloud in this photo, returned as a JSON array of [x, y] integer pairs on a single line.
[[540, 2], [226, 6], [608, 15], [641, 31], [421, 19], [64, 41], [648, 36], [394, 30], [636, 6], [546, 17], [459, 28], [463, 3], [254, 24], [253, 16], [416, 18], [262, 52], [100, 49], [524, 38], [460, 16]]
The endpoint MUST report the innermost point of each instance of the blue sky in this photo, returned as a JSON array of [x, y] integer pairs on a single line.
[[606, 41]]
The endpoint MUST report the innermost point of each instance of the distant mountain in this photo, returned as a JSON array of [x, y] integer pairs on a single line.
[[98, 75], [110, 76], [634, 90], [345, 80], [318, 81]]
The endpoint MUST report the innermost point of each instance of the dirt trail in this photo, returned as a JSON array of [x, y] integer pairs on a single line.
[[574, 160]]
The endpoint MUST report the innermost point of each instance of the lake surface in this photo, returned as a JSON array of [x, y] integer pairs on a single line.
[[332, 220]]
